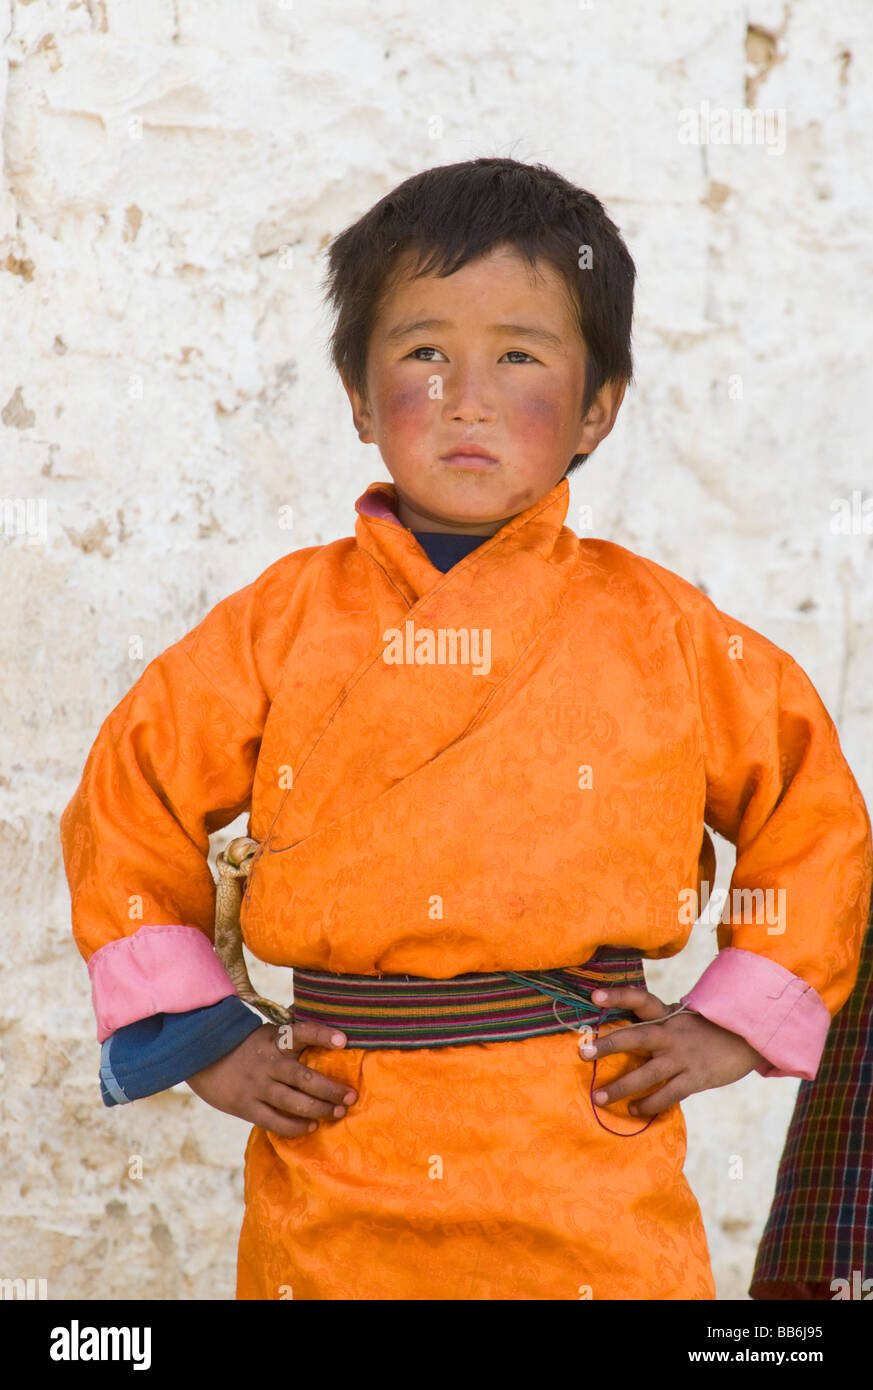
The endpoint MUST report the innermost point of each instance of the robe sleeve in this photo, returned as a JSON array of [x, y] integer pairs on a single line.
[[157, 1052], [172, 763], [779, 788]]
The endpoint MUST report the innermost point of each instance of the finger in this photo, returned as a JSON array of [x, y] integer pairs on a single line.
[[289, 1071], [640, 1079], [626, 1039], [293, 1037], [277, 1123], [289, 1101], [645, 1005], [671, 1094]]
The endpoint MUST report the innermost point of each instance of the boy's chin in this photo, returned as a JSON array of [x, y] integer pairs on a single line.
[[474, 506]]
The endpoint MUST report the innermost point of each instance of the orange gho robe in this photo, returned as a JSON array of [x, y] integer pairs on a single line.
[[432, 818]]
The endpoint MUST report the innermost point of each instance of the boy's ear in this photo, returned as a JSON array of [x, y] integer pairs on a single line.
[[601, 415], [360, 413]]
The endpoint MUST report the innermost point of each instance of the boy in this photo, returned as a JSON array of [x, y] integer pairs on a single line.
[[478, 754]]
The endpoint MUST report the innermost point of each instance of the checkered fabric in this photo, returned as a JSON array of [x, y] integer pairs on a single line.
[[820, 1226]]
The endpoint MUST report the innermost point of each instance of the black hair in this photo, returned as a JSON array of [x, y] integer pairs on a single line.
[[449, 215]]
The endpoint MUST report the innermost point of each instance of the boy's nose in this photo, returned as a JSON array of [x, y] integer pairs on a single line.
[[470, 406]]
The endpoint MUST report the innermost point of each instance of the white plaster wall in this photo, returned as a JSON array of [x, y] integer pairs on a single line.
[[165, 390]]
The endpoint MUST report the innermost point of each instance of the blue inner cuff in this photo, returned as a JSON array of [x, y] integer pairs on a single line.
[[155, 1053]]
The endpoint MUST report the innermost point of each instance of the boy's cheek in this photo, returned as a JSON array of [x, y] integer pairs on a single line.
[[535, 414], [407, 410]]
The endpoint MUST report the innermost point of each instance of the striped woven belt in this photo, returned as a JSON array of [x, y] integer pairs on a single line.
[[414, 1011]]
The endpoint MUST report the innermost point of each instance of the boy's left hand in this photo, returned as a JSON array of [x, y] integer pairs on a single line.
[[688, 1053]]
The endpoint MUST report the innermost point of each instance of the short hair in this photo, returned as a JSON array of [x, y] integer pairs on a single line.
[[449, 215]]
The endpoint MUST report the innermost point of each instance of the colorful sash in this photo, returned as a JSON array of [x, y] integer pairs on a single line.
[[407, 1011]]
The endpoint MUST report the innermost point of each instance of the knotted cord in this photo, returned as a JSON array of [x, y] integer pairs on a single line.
[[560, 996]]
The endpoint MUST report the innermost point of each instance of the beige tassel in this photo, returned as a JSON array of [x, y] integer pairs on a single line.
[[233, 868]]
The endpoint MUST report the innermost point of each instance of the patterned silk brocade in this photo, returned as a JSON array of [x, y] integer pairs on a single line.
[[425, 819]]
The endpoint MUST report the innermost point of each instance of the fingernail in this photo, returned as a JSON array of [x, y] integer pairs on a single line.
[[313, 1126], [349, 1097], [337, 1039], [632, 1110], [588, 1050], [339, 1109], [599, 995], [600, 1097]]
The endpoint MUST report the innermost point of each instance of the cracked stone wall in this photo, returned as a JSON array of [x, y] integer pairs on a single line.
[[171, 175]]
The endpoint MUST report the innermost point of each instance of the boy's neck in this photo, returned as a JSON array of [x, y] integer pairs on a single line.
[[433, 530], [414, 520]]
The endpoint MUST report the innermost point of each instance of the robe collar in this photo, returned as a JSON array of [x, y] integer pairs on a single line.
[[379, 532]]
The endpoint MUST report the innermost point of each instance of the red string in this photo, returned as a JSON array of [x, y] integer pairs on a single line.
[[591, 1089]]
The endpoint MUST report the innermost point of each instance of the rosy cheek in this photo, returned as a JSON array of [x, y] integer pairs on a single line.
[[535, 416], [405, 408]]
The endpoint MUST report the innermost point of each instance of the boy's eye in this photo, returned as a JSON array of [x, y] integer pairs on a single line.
[[424, 349], [513, 352]]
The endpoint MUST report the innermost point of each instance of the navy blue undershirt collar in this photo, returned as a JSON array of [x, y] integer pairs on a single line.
[[444, 549]]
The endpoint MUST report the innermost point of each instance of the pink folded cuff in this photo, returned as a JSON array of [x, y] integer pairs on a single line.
[[778, 1013], [158, 970]]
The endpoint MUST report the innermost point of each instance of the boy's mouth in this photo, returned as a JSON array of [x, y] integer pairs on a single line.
[[469, 456]]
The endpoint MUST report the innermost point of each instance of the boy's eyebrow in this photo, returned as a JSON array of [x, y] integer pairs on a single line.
[[522, 330]]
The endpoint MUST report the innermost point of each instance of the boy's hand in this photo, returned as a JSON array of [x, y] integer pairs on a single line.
[[263, 1082], [688, 1053]]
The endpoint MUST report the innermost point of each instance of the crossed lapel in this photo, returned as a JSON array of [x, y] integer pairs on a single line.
[[394, 716]]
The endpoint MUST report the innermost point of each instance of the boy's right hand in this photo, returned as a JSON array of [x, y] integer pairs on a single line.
[[263, 1082]]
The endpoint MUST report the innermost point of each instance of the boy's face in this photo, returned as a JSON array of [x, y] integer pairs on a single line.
[[469, 378]]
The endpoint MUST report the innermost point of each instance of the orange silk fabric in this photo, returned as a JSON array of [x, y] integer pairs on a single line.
[[424, 819], [473, 1173]]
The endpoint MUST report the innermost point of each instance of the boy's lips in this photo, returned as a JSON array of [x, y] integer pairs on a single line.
[[469, 456]]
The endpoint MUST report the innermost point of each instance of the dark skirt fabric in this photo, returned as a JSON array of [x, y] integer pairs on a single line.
[[820, 1227]]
